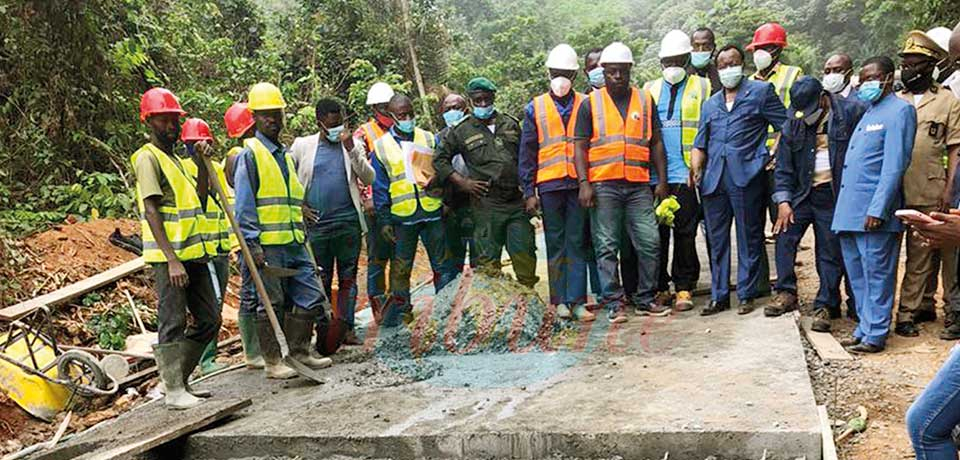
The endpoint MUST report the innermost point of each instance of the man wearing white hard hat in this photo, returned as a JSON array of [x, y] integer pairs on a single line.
[[616, 139], [548, 177], [946, 67], [379, 251], [678, 97]]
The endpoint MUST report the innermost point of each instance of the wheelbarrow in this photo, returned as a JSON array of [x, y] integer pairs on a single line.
[[41, 378]]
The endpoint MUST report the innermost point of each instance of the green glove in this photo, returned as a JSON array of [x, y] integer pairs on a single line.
[[666, 209]]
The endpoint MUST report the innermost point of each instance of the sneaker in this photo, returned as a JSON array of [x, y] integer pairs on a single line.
[[664, 299], [563, 312], [784, 302], [618, 316], [582, 314], [653, 309], [684, 301], [821, 320]]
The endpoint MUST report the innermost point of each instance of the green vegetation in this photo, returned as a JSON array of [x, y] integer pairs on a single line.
[[71, 72]]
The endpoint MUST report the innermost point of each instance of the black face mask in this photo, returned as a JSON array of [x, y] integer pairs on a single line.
[[915, 80]]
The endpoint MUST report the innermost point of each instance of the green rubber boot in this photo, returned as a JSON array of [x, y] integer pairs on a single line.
[[251, 343], [208, 363]]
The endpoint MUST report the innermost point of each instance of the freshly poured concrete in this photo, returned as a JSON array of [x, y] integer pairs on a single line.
[[728, 386]]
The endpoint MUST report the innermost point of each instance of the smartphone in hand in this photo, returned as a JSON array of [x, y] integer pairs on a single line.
[[914, 217]]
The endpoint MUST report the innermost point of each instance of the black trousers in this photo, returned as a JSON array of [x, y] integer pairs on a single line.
[[199, 298], [685, 270]]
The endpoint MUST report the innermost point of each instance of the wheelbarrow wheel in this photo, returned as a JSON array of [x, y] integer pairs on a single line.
[[81, 372]]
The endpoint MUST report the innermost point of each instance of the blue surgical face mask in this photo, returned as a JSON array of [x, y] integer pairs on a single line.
[[596, 77], [700, 59], [730, 77], [452, 117], [483, 113], [870, 91], [333, 134], [406, 126]]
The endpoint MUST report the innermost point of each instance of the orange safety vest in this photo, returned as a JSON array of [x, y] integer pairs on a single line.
[[620, 150], [555, 155], [371, 132]]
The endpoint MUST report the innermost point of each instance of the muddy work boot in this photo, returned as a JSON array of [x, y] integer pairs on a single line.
[[784, 302], [273, 365], [169, 357], [298, 327], [193, 353], [684, 301], [251, 343], [821, 320]]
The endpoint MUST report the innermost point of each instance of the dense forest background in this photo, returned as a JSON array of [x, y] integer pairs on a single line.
[[72, 71]]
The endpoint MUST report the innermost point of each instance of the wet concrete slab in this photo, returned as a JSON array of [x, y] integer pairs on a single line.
[[735, 387]]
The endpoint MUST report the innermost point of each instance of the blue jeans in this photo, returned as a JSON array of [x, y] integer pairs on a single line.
[[563, 224], [817, 210], [336, 246], [302, 290], [871, 261], [936, 411], [746, 206], [629, 205], [379, 252]]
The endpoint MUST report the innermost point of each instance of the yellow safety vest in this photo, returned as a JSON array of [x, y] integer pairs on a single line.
[[782, 79], [695, 94], [222, 239], [183, 223], [278, 202], [404, 192]]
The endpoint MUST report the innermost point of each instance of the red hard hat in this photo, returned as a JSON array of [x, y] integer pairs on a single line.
[[238, 119], [195, 129], [159, 100], [770, 33]]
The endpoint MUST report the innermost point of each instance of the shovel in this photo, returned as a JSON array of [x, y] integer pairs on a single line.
[[142, 342], [299, 367]]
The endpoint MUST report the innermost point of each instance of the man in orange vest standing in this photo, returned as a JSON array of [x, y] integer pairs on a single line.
[[379, 250], [548, 177], [615, 139]]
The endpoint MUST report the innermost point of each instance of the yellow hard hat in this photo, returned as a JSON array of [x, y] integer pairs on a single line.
[[265, 96], [919, 42]]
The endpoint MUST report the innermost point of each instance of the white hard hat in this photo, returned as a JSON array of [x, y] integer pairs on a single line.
[[563, 57], [616, 53], [940, 35], [675, 43], [379, 93]]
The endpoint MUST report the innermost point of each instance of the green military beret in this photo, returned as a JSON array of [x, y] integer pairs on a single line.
[[481, 84]]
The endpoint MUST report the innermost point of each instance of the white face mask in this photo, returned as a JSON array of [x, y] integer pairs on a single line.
[[674, 75], [762, 59], [834, 82], [560, 86]]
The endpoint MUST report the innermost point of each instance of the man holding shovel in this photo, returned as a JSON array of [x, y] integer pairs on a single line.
[[178, 243], [269, 197]]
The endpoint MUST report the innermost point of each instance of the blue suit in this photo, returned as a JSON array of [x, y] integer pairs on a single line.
[[733, 186], [876, 160]]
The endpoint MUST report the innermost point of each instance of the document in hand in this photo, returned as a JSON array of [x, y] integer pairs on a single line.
[[418, 161]]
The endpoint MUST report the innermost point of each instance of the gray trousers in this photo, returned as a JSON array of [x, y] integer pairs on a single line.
[[199, 298]]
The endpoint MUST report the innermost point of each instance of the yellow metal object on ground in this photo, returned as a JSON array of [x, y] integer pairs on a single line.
[[41, 397]]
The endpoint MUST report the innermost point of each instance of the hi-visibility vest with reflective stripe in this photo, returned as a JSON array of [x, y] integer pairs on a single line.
[[695, 94], [405, 194], [279, 201], [555, 153], [183, 223], [220, 239], [371, 132], [782, 79], [620, 149]]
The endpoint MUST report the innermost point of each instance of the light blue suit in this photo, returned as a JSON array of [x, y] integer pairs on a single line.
[[876, 160]]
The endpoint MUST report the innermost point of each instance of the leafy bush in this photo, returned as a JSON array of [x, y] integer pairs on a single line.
[[111, 327]]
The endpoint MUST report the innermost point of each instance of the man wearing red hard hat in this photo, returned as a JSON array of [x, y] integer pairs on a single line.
[[178, 243]]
